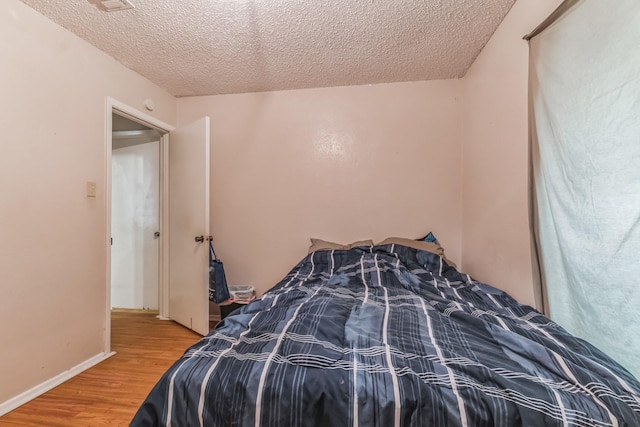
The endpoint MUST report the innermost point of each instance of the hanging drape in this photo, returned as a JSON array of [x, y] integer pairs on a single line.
[[585, 94]]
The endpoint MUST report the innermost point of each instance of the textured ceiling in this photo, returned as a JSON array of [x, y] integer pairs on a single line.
[[207, 47]]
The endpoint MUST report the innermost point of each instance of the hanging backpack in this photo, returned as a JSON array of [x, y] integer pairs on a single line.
[[218, 290]]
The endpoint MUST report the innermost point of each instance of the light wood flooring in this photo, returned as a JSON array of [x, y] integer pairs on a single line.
[[109, 393]]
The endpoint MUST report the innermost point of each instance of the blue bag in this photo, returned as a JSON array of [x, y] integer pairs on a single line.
[[218, 290]]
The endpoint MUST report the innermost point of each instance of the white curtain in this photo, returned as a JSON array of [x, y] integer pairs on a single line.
[[585, 89]]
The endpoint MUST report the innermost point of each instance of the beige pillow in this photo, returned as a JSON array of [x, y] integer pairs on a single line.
[[434, 248], [416, 244], [320, 245], [361, 243]]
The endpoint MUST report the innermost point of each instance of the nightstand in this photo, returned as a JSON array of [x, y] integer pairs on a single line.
[[226, 309]]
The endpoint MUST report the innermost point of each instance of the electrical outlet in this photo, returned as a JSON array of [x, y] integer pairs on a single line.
[[91, 189]]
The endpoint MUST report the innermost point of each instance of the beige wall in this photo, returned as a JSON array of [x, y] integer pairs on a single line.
[[52, 237], [496, 244], [342, 164]]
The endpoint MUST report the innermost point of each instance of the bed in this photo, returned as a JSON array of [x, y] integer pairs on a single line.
[[389, 335]]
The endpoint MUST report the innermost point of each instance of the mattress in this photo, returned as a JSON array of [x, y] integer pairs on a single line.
[[390, 336]]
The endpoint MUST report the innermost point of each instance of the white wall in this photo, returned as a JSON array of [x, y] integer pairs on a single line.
[[496, 241], [135, 217], [341, 164], [52, 237]]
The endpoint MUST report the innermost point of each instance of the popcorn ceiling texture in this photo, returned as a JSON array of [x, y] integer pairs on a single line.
[[208, 47]]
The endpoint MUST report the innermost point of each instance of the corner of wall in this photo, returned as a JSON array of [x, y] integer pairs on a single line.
[[495, 210]]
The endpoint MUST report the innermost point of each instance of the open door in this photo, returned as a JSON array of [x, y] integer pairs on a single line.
[[188, 219]]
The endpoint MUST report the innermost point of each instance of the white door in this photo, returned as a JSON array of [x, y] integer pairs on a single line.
[[188, 219]]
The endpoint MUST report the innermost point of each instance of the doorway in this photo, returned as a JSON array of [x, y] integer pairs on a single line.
[[135, 215], [183, 294], [126, 129]]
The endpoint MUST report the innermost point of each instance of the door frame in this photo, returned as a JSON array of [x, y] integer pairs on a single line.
[[124, 110]]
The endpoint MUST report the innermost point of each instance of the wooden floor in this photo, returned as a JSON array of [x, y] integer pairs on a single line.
[[109, 393]]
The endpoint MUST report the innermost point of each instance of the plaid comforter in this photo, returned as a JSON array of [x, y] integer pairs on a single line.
[[390, 336]]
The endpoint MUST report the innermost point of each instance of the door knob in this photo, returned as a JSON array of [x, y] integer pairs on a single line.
[[199, 239]]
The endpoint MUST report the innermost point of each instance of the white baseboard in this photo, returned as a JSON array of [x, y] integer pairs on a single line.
[[44, 387], [214, 318]]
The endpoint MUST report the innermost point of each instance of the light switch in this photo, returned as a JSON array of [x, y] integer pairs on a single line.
[[91, 189]]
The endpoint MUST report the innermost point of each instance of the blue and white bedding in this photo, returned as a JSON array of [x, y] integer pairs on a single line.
[[390, 336]]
